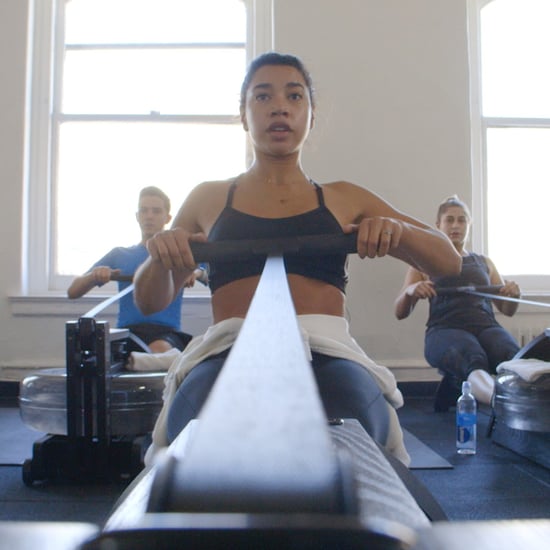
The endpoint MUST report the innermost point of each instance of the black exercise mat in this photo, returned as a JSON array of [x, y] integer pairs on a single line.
[[17, 439], [422, 457]]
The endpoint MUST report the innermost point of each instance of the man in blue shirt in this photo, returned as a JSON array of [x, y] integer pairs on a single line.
[[160, 331]]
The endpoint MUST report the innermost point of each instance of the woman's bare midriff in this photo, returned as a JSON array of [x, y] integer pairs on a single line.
[[309, 295]]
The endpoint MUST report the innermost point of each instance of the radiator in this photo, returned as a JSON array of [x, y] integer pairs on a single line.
[[524, 335]]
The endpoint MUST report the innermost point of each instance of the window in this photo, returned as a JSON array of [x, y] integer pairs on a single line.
[[125, 94], [515, 128]]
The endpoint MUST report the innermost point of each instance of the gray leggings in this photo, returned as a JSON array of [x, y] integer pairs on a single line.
[[347, 391], [458, 352]]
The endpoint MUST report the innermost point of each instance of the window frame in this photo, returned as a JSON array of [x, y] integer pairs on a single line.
[[44, 60], [533, 285]]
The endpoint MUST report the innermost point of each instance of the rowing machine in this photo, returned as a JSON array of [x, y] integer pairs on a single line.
[[260, 467], [520, 419], [97, 416]]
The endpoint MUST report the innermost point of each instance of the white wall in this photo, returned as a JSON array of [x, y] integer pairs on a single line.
[[13, 31], [393, 114], [392, 80]]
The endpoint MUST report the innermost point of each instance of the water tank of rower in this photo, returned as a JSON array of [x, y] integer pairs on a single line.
[[136, 400], [522, 405]]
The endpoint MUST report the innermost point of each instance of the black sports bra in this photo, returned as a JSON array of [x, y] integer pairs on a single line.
[[234, 225]]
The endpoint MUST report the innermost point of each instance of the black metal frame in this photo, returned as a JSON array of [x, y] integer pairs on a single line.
[[89, 452]]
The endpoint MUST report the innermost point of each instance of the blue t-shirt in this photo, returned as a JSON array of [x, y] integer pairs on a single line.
[[128, 259]]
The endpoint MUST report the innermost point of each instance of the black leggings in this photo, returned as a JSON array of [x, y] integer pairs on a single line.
[[347, 391]]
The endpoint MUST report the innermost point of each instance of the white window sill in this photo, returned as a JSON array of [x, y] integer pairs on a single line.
[[56, 304]]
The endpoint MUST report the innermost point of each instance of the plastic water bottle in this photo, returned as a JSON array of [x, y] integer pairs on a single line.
[[466, 421]]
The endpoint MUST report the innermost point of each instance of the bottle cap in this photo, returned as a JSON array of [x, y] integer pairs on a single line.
[[466, 387]]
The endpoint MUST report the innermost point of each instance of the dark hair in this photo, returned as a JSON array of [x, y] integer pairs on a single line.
[[449, 203], [153, 191], [274, 58]]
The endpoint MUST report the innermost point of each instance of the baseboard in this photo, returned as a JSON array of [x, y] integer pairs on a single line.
[[9, 392], [16, 373], [418, 388], [415, 374]]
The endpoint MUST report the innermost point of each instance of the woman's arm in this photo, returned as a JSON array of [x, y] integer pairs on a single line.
[[170, 264], [509, 288], [384, 230], [415, 287], [159, 279]]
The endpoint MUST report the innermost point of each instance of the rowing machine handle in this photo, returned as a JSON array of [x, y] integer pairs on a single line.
[[121, 278], [448, 290], [307, 245], [201, 278]]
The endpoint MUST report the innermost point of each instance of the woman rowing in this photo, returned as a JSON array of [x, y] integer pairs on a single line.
[[463, 338], [276, 198]]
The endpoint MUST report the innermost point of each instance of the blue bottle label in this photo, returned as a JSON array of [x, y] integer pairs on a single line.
[[465, 427], [466, 419], [463, 434]]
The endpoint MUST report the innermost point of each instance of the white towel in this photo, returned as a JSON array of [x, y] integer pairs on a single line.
[[149, 362], [528, 369], [321, 333]]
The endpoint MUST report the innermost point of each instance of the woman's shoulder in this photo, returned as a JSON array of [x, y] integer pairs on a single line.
[[203, 202], [346, 189], [212, 186], [364, 201], [208, 192], [339, 184]]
